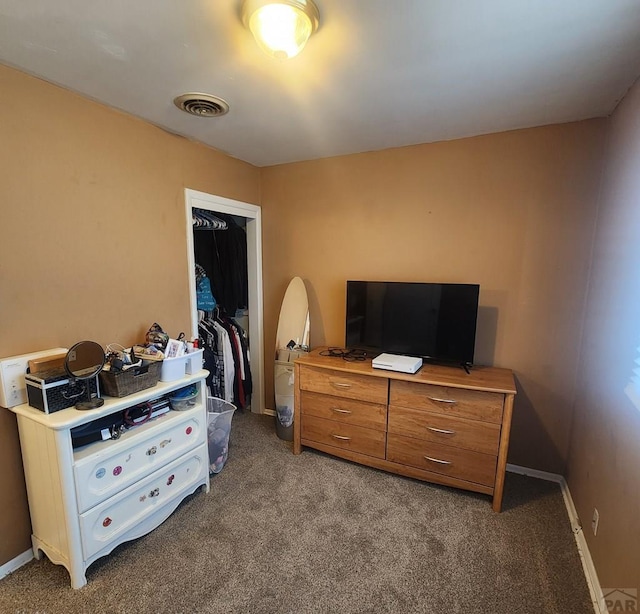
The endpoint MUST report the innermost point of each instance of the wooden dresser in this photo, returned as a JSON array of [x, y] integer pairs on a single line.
[[440, 425]]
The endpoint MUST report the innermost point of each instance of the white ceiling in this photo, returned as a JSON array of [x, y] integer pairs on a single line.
[[377, 74]]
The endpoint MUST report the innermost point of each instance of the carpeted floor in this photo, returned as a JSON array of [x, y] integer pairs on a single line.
[[310, 533]]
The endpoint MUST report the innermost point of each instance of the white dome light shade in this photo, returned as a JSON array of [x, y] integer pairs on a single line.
[[281, 28]]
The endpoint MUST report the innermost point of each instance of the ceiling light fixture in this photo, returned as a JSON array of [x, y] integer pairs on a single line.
[[281, 27]]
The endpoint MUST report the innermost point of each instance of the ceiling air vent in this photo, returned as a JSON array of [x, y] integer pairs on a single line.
[[201, 105]]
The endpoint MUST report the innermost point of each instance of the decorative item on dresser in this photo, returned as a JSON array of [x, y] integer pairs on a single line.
[[85, 500], [440, 425]]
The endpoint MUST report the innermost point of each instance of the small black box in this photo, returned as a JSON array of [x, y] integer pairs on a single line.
[[52, 391]]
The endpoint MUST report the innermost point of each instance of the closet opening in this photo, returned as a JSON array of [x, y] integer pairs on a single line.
[[232, 264]]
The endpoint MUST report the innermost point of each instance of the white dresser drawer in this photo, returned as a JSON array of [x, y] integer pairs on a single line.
[[117, 464], [108, 521]]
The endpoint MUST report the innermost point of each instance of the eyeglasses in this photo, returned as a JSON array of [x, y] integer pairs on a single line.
[[349, 355]]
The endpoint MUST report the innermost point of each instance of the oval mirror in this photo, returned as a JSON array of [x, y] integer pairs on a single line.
[[83, 362], [292, 337], [293, 324]]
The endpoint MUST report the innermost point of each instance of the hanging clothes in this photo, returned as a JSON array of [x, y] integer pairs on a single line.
[[222, 290], [242, 381], [212, 356], [223, 255], [226, 357], [228, 365], [204, 297]]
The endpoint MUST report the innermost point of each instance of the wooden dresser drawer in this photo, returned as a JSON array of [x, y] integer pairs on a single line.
[[447, 460], [461, 402], [346, 436], [452, 431], [348, 385], [358, 413]]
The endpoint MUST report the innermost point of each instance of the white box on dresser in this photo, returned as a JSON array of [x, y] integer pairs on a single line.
[[87, 501]]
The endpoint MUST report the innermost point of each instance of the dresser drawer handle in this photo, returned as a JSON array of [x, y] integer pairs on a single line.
[[437, 400], [437, 460], [340, 385], [340, 411], [342, 437], [442, 431]]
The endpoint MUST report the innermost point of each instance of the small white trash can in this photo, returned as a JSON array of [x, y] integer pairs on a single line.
[[219, 415], [284, 399]]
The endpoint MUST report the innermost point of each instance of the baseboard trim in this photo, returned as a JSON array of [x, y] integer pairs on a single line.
[[16, 563], [535, 473], [597, 597]]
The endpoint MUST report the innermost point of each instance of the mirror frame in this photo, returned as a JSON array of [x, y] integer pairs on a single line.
[[90, 402]]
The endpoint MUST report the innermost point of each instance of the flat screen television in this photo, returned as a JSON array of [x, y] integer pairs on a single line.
[[434, 321]]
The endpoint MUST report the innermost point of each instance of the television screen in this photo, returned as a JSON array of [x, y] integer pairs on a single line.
[[430, 320]]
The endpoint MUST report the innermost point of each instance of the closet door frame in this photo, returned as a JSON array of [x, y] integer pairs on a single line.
[[253, 215]]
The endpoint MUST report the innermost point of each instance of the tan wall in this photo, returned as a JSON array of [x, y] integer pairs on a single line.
[[87, 192], [604, 463], [514, 212], [93, 236]]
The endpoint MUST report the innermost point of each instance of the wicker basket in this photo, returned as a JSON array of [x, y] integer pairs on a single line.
[[124, 383]]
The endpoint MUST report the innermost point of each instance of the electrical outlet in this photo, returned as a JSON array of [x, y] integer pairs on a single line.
[[13, 389], [595, 520]]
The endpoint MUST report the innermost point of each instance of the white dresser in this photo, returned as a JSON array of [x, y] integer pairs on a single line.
[[87, 501]]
